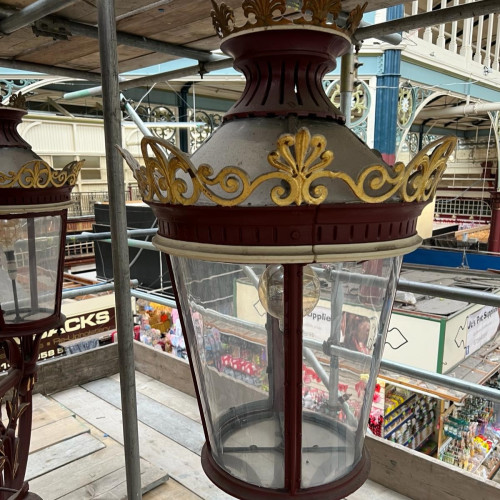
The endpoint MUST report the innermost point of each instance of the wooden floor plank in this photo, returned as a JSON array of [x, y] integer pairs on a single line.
[[55, 432], [182, 464], [168, 422], [114, 486], [62, 481], [45, 411], [167, 396], [170, 490], [93, 475], [61, 454]]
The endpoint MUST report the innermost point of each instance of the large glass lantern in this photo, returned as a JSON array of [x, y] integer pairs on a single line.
[[285, 234], [33, 206]]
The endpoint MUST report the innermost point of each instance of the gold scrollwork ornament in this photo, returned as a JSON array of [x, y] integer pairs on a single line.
[[300, 161], [38, 174]]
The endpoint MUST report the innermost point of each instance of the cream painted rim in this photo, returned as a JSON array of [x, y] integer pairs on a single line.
[[305, 254], [24, 209], [287, 27]]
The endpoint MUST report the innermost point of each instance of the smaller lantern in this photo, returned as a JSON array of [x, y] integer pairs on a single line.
[[285, 235], [33, 207]]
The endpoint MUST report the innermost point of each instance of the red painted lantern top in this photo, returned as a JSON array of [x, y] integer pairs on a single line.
[[25, 179], [296, 179], [284, 54]]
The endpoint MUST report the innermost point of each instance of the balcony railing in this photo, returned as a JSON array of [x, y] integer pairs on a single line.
[[472, 38], [84, 202]]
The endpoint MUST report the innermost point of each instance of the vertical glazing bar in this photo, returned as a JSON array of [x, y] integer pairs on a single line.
[[378, 349], [441, 39], [336, 302], [453, 41], [414, 8], [119, 247], [204, 412], [292, 332], [478, 56], [33, 265], [275, 366]]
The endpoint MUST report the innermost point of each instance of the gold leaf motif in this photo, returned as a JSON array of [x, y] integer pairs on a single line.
[[38, 174], [16, 101], [309, 155], [263, 10], [300, 162], [321, 9], [355, 17], [222, 19], [425, 170]]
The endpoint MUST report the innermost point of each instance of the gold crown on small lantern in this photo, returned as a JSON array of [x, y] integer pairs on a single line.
[[274, 13], [34, 173]]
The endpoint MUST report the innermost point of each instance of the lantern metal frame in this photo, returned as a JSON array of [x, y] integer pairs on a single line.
[[30, 189], [287, 203]]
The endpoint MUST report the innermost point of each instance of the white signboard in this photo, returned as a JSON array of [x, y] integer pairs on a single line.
[[317, 324], [481, 327]]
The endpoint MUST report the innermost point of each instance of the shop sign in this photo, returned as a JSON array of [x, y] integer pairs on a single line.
[[75, 327], [317, 324], [481, 327]]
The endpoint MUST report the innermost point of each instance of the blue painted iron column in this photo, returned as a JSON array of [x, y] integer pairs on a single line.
[[386, 108]]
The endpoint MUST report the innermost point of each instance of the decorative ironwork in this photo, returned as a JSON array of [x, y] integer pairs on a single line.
[[360, 105], [300, 160], [406, 105], [410, 143], [38, 174], [266, 13], [421, 94], [418, 95], [198, 135], [10, 87], [361, 130], [15, 430], [163, 114]]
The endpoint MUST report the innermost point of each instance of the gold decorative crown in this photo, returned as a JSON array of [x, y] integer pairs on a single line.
[[39, 174], [267, 13], [301, 162]]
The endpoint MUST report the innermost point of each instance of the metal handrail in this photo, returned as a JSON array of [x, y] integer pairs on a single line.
[[426, 376], [474, 296]]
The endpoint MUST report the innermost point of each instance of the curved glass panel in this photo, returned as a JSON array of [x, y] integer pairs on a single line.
[[29, 264], [235, 347], [343, 339]]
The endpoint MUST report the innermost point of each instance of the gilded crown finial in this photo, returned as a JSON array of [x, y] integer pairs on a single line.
[[269, 13]]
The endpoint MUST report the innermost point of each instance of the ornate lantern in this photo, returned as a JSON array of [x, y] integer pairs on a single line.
[[285, 234], [33, 207]]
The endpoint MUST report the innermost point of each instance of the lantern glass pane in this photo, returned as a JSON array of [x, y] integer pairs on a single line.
[[339, 377], [29, 263], [232, 355]]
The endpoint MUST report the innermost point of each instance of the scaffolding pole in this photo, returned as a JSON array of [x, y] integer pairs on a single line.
[[118, 222]]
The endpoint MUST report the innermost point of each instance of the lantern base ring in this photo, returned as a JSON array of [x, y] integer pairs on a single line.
[[231, 426], [304, 254]]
